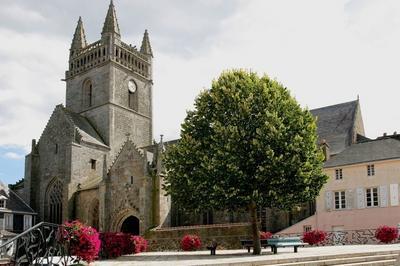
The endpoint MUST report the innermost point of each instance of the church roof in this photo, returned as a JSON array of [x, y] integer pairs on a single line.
[[85, 128], [367, 151], [335, 124]]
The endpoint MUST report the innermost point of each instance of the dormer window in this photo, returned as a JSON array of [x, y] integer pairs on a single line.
[[93, 164], [370, 170]]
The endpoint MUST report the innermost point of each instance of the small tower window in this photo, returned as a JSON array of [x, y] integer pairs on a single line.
[[87, 93], [131, 179], [132, 95], [93, 164], [2, 203], [56, 149]]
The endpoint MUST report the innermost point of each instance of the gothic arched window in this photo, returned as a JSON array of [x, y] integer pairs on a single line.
[[54, 202], [133, 97], [87, 93]]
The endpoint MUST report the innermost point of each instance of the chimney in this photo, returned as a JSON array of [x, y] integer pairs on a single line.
[[385, 134]]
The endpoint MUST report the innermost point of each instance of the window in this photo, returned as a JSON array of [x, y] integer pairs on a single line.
[[340, 200], [307, 228], [8, 218], [93, 164], [2, 203], [339, 174], [56, 149], [54, 202], [27, 222], [371, 170], [372, 197], [87, 93], [131, 179], [132, 95]]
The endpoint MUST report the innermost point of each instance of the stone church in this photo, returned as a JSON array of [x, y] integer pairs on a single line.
[[96, 159]]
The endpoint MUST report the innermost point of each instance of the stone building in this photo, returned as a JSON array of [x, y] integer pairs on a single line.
[[90, 162]]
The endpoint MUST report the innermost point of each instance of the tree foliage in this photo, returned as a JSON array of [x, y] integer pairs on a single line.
[[246, 140]]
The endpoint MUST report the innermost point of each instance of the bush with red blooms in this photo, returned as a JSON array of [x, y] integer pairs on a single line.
[[265, 235], [139, 244], [81, 241], [386, 234], [314, 237], [114, 244], [117, 244], [190, 243]]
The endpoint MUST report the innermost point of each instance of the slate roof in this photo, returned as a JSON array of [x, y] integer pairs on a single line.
[[14, 203], [335, 124], [368, 151], [84, 127]]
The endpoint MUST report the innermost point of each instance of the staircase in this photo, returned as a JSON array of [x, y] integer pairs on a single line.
[[367, 258]]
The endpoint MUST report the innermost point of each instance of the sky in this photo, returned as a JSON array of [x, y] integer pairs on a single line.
[[325, 51]]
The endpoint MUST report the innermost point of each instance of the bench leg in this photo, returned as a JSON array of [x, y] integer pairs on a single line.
[[272, 248], [295, 249], [248, 249], [275, 249]]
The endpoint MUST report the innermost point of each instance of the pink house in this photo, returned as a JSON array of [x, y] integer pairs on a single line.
[[364, 175]]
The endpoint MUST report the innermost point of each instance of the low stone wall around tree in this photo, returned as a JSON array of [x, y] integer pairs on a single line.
[[228, 236]]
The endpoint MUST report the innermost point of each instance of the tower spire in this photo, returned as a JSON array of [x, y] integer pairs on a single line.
[[111, 22], [79, 40], [146, 47]]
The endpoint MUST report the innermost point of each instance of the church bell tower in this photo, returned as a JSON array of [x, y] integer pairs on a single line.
[[110, 83]]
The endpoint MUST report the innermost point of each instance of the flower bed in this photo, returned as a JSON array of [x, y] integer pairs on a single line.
[[190, 242], [386, 234], [314, 237]]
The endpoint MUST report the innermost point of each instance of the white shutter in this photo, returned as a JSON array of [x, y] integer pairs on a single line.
[[360, 198], [394, 194], [328, 200], [349, 199], [383, 192]]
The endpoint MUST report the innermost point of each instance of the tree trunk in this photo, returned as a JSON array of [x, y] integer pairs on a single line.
[[256, 232]]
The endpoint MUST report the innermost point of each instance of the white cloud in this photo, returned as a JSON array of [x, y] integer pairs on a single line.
[[13, 156], [326, 52]]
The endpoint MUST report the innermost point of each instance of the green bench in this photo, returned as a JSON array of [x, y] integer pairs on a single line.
[[285, 242]]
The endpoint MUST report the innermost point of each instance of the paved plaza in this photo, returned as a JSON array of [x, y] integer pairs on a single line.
[[241, 257]]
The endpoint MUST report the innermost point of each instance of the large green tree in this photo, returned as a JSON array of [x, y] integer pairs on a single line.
[[246, 144]]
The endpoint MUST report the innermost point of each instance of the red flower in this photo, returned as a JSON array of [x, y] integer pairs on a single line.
[[314, 237], [190, 242], [386, 234], [265, 235]]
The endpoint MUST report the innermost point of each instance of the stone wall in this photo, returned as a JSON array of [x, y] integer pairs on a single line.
[[228, 236]]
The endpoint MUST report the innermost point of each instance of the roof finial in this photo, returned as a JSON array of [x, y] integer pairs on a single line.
[[111, 23], [79, 40], [146, 47]]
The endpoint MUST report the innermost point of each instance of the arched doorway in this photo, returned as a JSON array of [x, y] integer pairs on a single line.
[[130, 225]]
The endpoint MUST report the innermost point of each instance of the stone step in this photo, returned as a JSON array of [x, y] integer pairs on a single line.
[[343, 259], [389, 262]]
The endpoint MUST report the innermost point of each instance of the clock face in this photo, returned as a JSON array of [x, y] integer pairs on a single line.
[[131, 86]]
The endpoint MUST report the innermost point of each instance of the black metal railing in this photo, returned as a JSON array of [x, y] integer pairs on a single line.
[[38, 245]]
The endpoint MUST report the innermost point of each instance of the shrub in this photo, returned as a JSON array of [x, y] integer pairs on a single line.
[[314, 237], [115, 244], [139, 244], [265, 235], [190, 242], [81, 241], [386, 234]]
